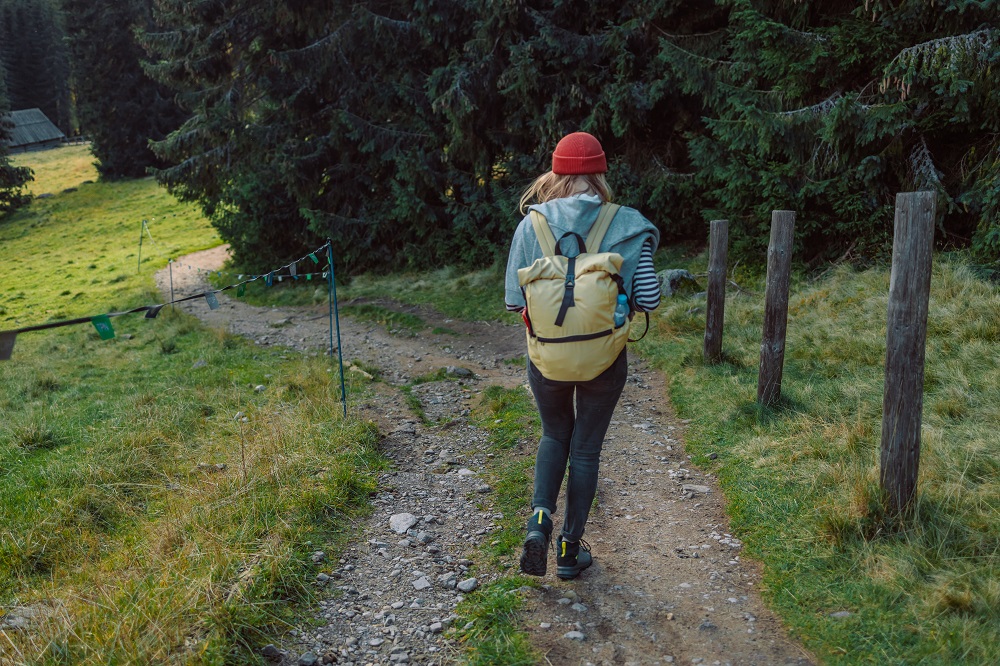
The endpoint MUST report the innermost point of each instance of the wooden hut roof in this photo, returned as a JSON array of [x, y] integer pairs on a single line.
[[31, 127]]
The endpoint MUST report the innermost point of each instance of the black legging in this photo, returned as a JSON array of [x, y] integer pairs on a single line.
[[574, 436]]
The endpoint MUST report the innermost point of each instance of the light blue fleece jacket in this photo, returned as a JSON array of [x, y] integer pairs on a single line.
[[628, 231]]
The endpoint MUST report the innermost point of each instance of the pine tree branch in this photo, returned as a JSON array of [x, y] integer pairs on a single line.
[[939, 56], [689, 53], [395, 24], [820, 108], [318, 44], [925, 174], [669, 172], [691, 35], [382, 129]]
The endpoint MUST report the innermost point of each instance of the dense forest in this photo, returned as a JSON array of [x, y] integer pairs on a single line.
[[406, 131]]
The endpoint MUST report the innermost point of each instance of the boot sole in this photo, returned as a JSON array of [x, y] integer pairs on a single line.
[[535, 555]]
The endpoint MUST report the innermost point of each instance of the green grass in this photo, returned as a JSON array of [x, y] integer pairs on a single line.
[[76, 254], [476, 296], [58, 169], [395, 322], [142, 519], [801, 479], [116, 516]]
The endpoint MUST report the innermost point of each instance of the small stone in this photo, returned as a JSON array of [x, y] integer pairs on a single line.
[[421, 584], [318, 556], [260, 388], [691, 488], [574, 635], [375, 642], [468, 585], [545, 625], [841, 614], [436, 628], [466, 472], [322, 578], [271, 652], [308, 659], [579, 608], [400, 522]]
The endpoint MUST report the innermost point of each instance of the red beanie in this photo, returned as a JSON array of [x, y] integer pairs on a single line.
[[578, 153]]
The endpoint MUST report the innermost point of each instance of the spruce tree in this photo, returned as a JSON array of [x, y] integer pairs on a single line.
[[120, 108], [33, 51], [311, 124], [831, 108]]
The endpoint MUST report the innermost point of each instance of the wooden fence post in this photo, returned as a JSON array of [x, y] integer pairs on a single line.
[[906, 335], [718, 247], [772, 346]]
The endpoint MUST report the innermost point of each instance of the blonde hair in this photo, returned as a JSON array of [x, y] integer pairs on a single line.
[[551, 186]]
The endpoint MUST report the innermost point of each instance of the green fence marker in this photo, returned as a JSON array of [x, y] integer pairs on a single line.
[[103, 325], [240, 290]]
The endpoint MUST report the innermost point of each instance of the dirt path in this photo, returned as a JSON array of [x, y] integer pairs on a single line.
[[668, 584]]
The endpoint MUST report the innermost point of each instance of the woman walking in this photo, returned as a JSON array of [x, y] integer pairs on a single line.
[[570, 199]]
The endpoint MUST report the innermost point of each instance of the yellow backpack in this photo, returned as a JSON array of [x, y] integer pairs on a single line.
[[571, 303]]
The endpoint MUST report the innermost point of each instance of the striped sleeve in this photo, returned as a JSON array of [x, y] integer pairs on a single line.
[[645, 286]]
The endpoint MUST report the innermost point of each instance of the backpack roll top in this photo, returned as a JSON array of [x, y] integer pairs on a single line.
[[545, 289], [571, 303]]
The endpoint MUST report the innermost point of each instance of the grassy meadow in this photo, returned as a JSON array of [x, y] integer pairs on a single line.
[[77, 250], [156, 507]]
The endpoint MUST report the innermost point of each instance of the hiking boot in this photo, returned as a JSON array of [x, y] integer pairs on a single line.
[[536, 544], [572, 558]]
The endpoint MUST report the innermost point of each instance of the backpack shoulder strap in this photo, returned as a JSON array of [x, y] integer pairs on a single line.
[[596, 235], [544, 234]]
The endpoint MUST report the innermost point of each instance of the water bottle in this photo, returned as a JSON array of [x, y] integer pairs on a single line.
[[621, 311]]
